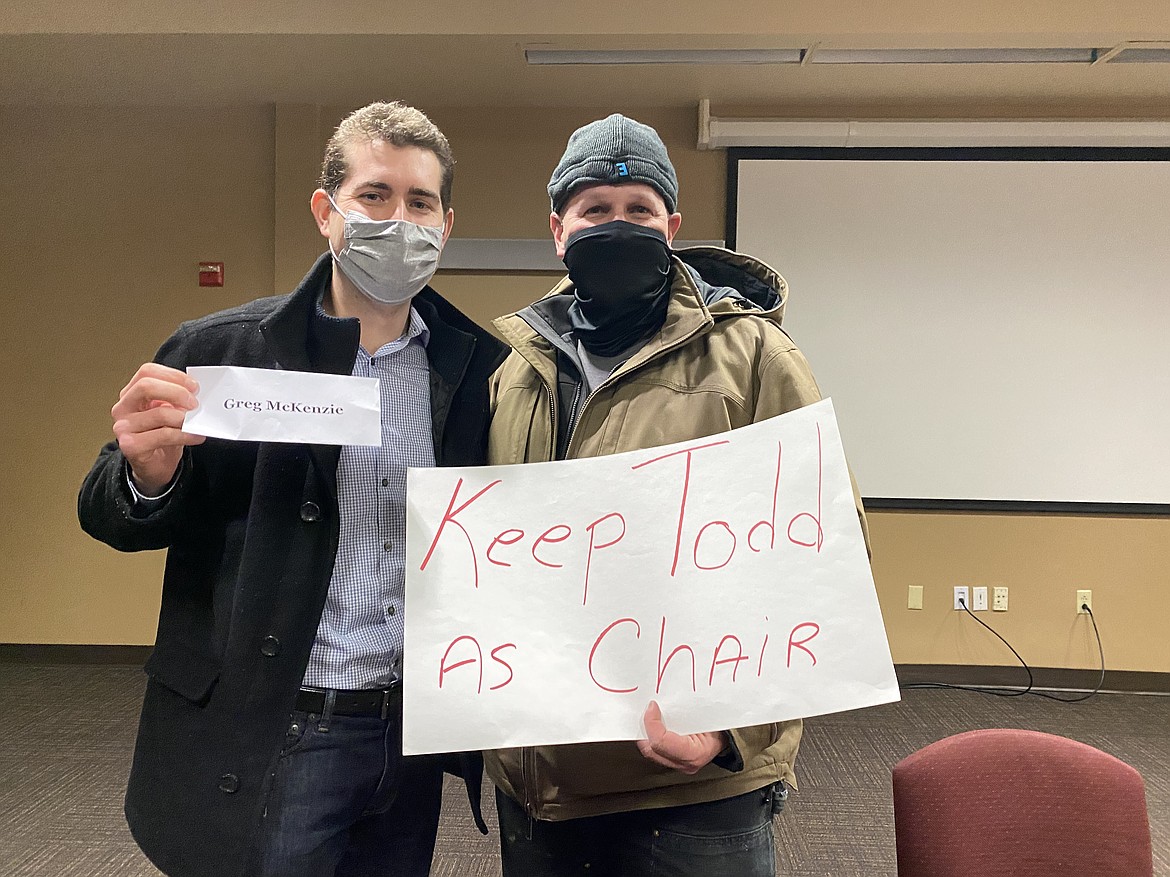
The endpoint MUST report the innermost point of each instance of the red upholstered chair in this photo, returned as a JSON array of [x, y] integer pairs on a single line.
[[1010, 803]]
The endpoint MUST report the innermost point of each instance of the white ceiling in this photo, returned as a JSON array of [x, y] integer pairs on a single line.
[[470, 53]]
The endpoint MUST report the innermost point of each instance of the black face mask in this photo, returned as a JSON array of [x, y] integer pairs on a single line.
[[622, 276]]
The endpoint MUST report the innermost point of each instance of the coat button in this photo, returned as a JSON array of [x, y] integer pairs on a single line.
[[310, 511], [229, 783], [270, 647]]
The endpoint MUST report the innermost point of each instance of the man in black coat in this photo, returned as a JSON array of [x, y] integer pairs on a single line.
[[270, 736]]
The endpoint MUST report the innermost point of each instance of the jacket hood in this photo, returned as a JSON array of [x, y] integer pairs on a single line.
[[731, 282]]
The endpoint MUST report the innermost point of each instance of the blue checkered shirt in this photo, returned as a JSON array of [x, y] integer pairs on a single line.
[[359, 638]]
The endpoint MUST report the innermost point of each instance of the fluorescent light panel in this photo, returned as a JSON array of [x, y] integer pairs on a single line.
[[1142, 56], [663, 56], [1123, 54], [954, 56]]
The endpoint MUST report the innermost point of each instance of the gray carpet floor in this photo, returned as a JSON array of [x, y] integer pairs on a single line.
[[69, 732]]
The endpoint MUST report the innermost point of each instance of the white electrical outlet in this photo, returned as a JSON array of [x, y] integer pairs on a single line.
[[961, 597], [999, 599], [1084, 598], [979, 598]]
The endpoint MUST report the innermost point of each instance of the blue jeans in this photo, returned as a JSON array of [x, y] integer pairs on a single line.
[[728, 838], [346, 803]]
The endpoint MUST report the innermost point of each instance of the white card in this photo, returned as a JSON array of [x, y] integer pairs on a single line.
[[270, 405]]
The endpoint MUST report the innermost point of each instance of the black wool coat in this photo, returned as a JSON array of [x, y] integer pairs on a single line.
[[251, 531]]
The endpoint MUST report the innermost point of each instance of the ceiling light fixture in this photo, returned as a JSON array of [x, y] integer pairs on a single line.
[[1134, 52], [954, 56], [1129, 52], [549, 55]]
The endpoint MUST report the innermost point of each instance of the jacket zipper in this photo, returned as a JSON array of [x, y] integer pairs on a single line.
[[528, 753], [574, 411], [552, 410], [573, 423], [528, 780]]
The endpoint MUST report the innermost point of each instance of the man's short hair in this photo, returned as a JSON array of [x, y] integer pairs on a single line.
[[394, 123]]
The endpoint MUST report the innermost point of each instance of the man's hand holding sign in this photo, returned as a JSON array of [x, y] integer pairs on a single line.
[[163, 410], [148, 424], [689, 753], [726, 579], [274, 405]]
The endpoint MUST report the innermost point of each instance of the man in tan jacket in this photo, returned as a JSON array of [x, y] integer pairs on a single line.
[[641, 346]]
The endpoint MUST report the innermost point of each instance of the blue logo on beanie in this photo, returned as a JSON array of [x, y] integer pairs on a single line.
[[622, 170]]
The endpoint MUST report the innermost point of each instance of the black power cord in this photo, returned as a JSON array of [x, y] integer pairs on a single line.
[[994, 691]]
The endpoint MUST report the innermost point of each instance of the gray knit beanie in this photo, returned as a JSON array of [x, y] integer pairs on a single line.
[[614, 150]]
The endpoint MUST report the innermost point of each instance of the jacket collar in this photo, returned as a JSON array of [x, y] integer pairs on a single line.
[[300, 339], [459, 350], [685, 316]]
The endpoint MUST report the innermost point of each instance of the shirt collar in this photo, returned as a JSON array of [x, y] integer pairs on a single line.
[[416, 327]]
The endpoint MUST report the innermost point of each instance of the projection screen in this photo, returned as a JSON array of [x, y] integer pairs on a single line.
[[992, 326]]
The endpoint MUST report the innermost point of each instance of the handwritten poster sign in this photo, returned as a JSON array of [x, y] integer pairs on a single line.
[[726, 578]]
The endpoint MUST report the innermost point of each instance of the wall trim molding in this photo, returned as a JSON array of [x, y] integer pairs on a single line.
[[1048, 678], [68, 653]]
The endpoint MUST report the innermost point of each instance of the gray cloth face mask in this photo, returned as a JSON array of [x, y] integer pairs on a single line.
[[390, 260]]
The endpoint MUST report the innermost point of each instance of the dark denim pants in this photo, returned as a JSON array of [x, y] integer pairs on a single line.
[[345, 803], [728, 838]]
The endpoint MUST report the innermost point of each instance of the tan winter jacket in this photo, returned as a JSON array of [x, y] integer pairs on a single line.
[[720, 361]]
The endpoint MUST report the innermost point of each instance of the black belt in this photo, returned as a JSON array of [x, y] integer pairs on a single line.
[[362, 702]]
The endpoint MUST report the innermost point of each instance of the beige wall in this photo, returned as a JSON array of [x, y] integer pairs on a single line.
[[108, 211], [1042, 560]]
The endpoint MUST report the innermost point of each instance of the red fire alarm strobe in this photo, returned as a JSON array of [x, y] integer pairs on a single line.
[[211, 273]]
